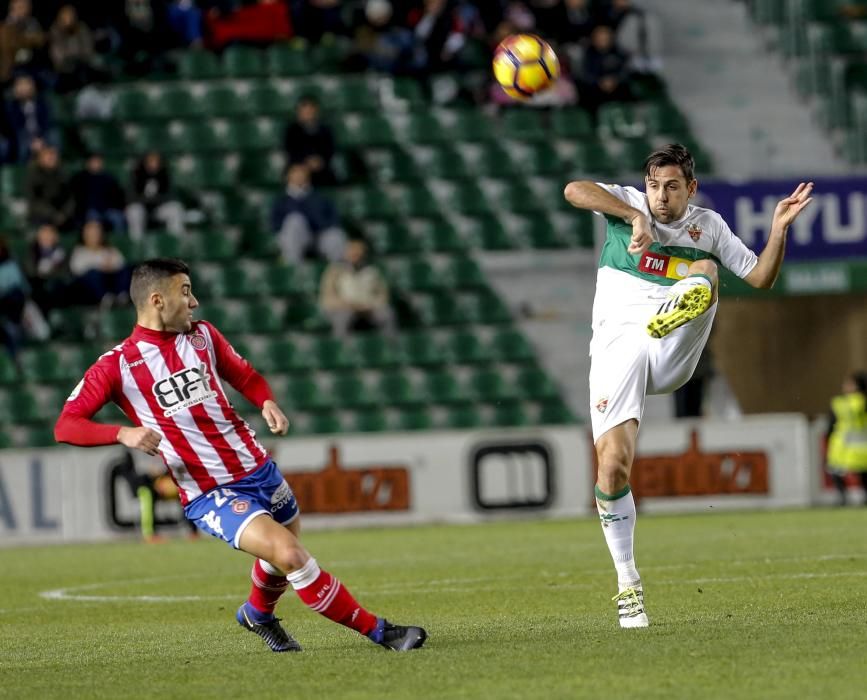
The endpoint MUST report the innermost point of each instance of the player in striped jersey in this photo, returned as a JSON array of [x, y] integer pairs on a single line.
[[656, 298], [168, 378]]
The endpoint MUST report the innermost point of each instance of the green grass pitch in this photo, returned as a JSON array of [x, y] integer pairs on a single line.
[[746, 605]]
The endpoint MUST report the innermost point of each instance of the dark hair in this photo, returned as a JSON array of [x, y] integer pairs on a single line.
[[860, 381], [672, 154], [152, 273]]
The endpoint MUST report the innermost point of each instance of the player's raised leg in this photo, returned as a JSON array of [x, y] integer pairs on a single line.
[[615, 450], [319, 590], [687, 299]]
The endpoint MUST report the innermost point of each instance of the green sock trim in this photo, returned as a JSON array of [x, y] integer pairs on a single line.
[[605, 497], [699, 274]]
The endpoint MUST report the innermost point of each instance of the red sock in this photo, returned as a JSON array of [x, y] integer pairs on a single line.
[[267, 588], [324, 594]]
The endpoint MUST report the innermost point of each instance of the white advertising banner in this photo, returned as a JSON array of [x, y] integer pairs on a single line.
[[69, 494]]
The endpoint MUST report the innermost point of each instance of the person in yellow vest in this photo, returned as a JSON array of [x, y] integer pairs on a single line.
[[847, 434]]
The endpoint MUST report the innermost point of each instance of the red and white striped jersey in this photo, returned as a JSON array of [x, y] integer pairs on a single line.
[[173, 384]]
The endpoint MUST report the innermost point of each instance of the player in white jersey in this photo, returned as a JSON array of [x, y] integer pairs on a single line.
[[656, 297], [168, 378]]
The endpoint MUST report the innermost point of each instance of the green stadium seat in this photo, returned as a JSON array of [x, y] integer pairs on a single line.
[[390, 237], [198, 64], [413, 418], [46, 365], [223, 100], [23, 408], [158, 245], [424, 127], [230, 320], [414, 274], [465, 416], [524, 125], [333, 353], [287, 356], [391, 164], [473, 125], [534, 383], [206, 172], [108, 139], [5, 440], [434, 233], [395, 388], [375, 350], [488, 233], [489, 385], [423, 349], [485, 307], [511, 346], [244, 62], [510, 415], [469, 199], [364, 203], [416, 201], [257, 134], [262, 318], [441, 161], [489, 160], [439, 310], [330, 53], [285, 60], [212, 245], [39, 436], [368, 421], [325, 423], [465, 347], [556, 413], [571, 123], [351, 94], [350, 391], [441, 386], [12, 180], [117, 323], [134, 103], [360, 129], [305, 393], [463, 272], [268, 98], [282, 280]]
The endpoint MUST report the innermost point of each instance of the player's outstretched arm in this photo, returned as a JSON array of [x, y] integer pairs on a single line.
[[277, 421], [767, 269], [584, 194]]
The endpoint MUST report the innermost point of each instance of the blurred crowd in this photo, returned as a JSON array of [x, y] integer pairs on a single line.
[[80, 217]]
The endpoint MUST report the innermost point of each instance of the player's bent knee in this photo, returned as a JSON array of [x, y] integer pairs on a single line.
[[289, 557], [704, 267]]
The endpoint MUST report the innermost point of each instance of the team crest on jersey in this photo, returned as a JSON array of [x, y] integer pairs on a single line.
[[694, 231], [197, 340], [184, 389], [602, 405], [240, 507]]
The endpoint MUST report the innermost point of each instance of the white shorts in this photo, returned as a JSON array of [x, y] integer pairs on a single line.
[[627, 364]]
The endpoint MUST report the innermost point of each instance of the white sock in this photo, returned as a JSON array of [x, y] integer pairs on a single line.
[[617, 515], [303, 577]]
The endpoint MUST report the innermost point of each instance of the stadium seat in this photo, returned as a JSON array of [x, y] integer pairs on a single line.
[[390, 237], [465, 416], [485, 307], [39, 436], [45, 364], [395, 388], [556, 413], [222, 100], [416, 201], [534, 383], [360, 129], [375, 350], [304, 393], [333, 353], [263, 318], [511, 346], [159, 245], [23, 408], [350, 391], [284, 60], [462, 272], [571, 123], [441, 386], [244, 62], [524, 125], [391, 164], [465, 347], [439, 310], [288, 356], [510, 415], [415, 418], [269, 98], [325, 423], [422, 349], [490, 385], [368, 421], [198, 64], [351, 94]]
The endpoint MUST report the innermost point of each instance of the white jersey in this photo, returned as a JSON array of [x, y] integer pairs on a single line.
[[627, 284]]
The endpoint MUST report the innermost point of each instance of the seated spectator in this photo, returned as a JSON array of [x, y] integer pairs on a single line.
[[48, 269], [28, 120], [98, 195], [14, 292], [304, 221], [185, 20], [47, 190], [605, 71], [151, 200], [100, 273], [382, 44], [71, 50], [354, 294], [21, 37], [144, 33], [307, 140]]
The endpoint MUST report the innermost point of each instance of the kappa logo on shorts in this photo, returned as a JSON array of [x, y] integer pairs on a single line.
[[240, 507], [602, 405], [694, 231], [197, 340]]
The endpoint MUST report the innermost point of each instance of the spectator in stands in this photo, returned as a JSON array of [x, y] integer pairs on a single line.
[[14, 292], [98, 195], [151, 198], [144, 31], [48, 269], [21, 37], [307, 140], [71, 50], [382, 43], [264, 21], [28, 120], [100, 273], [354, 294], [441, 29], [572, 22], [847, 435], [315, 18], [638, 34], [605, 71], [185, 20], [47, 190], [305, 221]]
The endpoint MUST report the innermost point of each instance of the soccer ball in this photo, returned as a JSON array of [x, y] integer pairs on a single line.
[[525, 64]]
